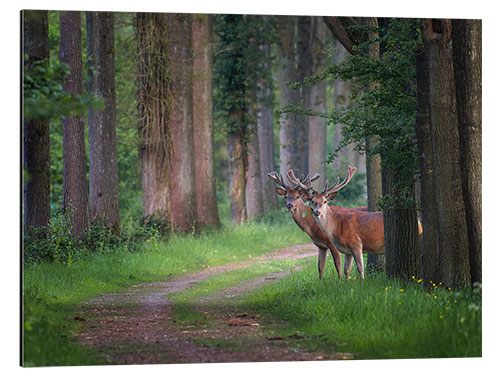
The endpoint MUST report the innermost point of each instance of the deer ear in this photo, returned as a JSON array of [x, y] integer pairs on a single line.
[[280, 191], [331, 196], [305, 194]]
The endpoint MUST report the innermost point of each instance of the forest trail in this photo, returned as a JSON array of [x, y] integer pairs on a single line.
[[135, 326]]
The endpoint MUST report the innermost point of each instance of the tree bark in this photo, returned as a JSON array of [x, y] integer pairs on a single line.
[[287, 74], [36, 135], [206, 195], [182, 176], [265, 127], [373, 163], [317, 102], [237, 176], [454, 263], [339, 26], [75, 193], [305, 34], [403, 256], [154, 102], [430, 235], [467, 57], [103, 171], [254, 201], [342, 92]]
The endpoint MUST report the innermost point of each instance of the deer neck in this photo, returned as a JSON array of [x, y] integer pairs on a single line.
[[302, 216], [328, 222]]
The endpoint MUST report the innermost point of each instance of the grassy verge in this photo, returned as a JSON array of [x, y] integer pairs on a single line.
[[377, 318], [51, 291]]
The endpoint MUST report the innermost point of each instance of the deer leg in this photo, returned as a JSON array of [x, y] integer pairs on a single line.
[[358, 257], [321, 261], [347, 264], [337, 259]]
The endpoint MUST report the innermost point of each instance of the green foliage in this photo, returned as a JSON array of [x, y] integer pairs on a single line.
[[354, 194], [43, 94], [58, 244], [377, 318]]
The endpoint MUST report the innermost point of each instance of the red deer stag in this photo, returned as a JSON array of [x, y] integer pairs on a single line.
[[302, 216], [352, 232]]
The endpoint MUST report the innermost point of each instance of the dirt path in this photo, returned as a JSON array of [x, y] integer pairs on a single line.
[[135, 326]]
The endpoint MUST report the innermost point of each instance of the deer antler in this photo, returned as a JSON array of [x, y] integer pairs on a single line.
[[300, 183], [338, 186], [278, 180]]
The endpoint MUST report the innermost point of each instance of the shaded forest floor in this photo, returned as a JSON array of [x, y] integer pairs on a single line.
[[144, 325]]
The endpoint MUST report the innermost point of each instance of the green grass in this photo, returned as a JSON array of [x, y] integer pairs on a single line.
[[52, 291], [377, 318]]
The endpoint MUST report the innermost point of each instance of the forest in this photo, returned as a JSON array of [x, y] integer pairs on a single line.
[[147, 131]]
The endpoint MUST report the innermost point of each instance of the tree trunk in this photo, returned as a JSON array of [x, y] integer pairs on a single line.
[[454, 264], [430, 236], [254, 201], [305, 34], [317, 102], [36, 136], [75, 193], [237, 176], [373, 167], [467, 55], [206, 196], [265, 127], [182, 179], [103, 171], [287, 74], [402, 245], [153, 108], [342, 92]]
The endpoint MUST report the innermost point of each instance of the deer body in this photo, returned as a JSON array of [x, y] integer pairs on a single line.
[[303, 217], [351, 232]]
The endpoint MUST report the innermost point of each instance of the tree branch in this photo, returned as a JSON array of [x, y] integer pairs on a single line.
[[339, 26]]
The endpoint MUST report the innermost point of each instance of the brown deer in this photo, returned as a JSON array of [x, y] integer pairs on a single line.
[[302, 215], [352, 232]]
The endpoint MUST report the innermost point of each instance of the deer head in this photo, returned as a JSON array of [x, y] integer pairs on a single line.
[[291, 193], [319, 201]]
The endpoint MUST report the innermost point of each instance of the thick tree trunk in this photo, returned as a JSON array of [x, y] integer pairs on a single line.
[[254, 202], [153, 107], [467, 55], [103, 171], [182, 176], [36, 136], [305, 34], [237, 176], [287, 74], [373, 165], [75, 192], [265, 127], [402, 244], [317, 102], [430, 236], [454, 263], [206, 196]]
